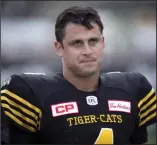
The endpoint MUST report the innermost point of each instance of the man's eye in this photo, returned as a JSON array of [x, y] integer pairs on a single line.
[[93, 41], [77, 43]]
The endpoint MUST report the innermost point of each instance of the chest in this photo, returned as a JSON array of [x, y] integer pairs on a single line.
[[76, 116]]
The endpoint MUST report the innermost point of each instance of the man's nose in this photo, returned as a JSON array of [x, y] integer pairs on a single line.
[[87, 49]]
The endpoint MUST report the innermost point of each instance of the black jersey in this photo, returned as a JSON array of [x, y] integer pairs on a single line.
[[48, 109]]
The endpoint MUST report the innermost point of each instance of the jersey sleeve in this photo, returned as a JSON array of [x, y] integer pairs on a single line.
[[4, 128], [146, 104], [21, 111]]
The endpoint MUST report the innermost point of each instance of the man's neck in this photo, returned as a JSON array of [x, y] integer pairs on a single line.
[[88, 84]]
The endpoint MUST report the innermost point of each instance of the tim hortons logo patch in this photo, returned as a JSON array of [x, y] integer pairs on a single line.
[[121, 106]]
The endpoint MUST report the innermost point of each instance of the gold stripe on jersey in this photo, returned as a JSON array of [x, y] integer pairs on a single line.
[[148, 118], [19, 114], [23, 101], [148, 104], [3, 98], [20, 122], [148, 111], [145, 98]]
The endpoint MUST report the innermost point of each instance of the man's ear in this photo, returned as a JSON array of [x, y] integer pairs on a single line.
[[59, 48], [103, 40]]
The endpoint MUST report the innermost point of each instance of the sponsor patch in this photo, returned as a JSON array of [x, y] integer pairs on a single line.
[[121, 106], [64, 109]]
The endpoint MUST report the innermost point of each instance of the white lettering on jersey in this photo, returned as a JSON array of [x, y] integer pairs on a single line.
[[122, 106], [64, 109]]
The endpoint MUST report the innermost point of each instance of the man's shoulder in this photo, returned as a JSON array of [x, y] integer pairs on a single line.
[[122, 75], [41, 78], [123, 80], [42, 81], [37, 82]]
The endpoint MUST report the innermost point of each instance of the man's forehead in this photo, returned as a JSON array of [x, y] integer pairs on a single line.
[[77, 31]]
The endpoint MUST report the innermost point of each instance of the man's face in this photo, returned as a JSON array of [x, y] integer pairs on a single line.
[[83, 49]]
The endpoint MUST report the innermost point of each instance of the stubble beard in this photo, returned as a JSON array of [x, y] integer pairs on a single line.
[[79, 72]]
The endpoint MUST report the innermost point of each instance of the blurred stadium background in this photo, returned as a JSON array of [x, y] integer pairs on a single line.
[[27, 36]]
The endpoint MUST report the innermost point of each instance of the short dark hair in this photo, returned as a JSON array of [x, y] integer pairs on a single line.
[[76, 15]]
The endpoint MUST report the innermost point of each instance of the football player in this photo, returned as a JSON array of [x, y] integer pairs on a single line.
[[79, 105]]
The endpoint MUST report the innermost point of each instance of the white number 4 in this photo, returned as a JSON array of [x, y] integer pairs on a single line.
[[105, 136]]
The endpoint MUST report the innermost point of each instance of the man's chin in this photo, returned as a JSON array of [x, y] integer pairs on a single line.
[[86, 74]]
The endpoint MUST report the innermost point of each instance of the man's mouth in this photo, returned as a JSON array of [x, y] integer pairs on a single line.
[[86, 61]]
